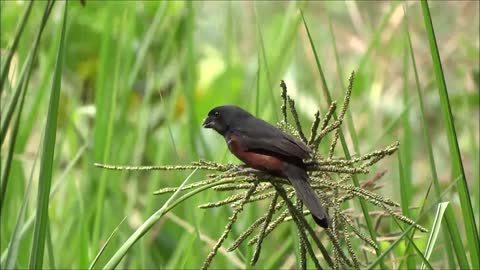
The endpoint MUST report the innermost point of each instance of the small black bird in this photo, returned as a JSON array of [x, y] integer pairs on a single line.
[[265, 147]]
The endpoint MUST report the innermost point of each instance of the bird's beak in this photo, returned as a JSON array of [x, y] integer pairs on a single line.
[[208, 123]]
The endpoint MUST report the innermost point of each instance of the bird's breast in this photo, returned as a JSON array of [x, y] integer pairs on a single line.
[[252, 159]]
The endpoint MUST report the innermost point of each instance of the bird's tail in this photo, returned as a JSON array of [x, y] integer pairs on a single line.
[[299, 179]]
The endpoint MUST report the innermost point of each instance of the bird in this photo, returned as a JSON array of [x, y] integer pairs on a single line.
[[267, 148]]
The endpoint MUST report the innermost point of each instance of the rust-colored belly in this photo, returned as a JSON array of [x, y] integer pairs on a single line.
[[255, 160]]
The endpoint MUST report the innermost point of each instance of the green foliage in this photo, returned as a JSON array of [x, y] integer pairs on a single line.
[[327, 175], [41, 229], [137, 79]]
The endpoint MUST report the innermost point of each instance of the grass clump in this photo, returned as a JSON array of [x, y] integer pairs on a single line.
[[330, 177]]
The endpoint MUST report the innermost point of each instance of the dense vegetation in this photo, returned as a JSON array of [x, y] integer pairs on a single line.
[[129, 82]]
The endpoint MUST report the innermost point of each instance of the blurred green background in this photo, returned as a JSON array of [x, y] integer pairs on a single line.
[[140, 76]]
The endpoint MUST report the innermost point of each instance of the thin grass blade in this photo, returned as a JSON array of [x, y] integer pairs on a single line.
[[437, 223], [28, 224], [13, 47], [25, 74], [12, 105], [428, 144], [404, 190], [328, 99], [7, 163], [396, 242], [45, 177], [410, 238], [95, 260], [106, 106], [405, 154], [118, 256], [473, 242], [17, 235]]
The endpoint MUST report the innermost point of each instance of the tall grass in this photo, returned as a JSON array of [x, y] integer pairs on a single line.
[[41, 229], [131, 82], [456, 160]]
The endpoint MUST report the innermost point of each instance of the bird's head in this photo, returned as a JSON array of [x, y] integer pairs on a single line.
[[223, 118]]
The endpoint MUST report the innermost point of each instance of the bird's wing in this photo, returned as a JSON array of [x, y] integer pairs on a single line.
[[260, 136]]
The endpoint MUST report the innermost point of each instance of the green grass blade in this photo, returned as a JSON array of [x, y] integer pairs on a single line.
[[405, 188], [146, 42], [7, 164], [405, 155], [118, 256], [236, 260], [437, 223], [411, 243], [456, 238], [375, 39], [45, 177], [106, 104], [350, 124], [328, 99], [24, 74], [390, 248], [428, 143], [11, 109], [405, 232], [13, 47], [95, 260], [190, 83], [51, 256], [268, 76], [326, 93], [190, 80], [21, 87], [17, 235], [473, 242], [410, 238], [396, 121], [28, 224]]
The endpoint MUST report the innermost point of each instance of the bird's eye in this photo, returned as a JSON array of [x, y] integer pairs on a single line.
[[216, 114]]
